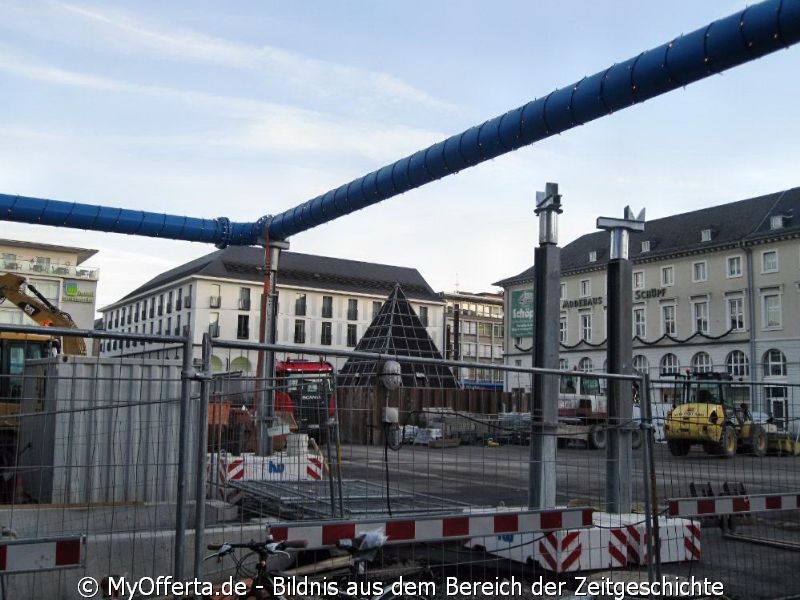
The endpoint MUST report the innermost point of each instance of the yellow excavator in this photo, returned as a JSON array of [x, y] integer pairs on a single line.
[[15, 349], [15, 289]]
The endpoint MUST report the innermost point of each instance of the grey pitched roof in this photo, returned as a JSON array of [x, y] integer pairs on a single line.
[[745, 221], [295, 268], [397, 330]]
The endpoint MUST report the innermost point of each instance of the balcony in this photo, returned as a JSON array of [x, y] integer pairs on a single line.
[[215, 301], [66, 270], [244, 303]]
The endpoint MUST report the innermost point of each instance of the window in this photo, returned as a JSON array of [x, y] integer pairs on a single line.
[[423, 315], [352, 310], [563, 365], [300, 305], [639, 325], [736, 313], [485, 329], [215, 301], [667, 276], [243, 327], [646, 246], [213, 324], [327, 307], [123, 315], [352, 335], [299, 331], [699, 271], [562, 329], [638, 280], [161, 304], [177, 325], [586, 365], [737, 364], [700, 316], [376, 308], [734, 266], [586, 327], [152, 311], [187, 302], [701, 362], [169, 302], [586, 287], [640, 364], [668, 319], [326, 335], [144, 310], [776, 222], [769, 261], [705, 235], [562, 290], [669, 364], [772, 311], [136, 313], [244, 298], [774, 363], [593, 256], [469, 328], [179, 299]]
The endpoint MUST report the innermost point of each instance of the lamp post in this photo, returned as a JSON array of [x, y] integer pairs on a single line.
[[620, 351]]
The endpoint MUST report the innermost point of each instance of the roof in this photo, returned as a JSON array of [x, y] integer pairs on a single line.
[[297, 269], [732, 224], [83, 254], [397, 330]]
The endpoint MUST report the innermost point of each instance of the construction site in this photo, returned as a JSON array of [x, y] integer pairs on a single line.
[[559, 483]]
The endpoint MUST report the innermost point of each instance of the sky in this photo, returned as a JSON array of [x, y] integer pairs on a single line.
[[242, 109]]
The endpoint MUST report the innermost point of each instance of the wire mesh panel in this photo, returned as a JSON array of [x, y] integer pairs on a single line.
[[91, 452]]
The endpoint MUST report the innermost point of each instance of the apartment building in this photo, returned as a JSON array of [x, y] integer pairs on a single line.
[[322, 302], [57, 272]]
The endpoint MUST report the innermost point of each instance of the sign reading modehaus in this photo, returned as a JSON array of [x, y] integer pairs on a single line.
[[522, 313]]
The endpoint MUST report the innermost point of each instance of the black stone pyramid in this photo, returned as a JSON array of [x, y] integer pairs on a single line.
[[396, 330]]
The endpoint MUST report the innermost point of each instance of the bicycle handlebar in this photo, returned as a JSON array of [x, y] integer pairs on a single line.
[[270, 547]]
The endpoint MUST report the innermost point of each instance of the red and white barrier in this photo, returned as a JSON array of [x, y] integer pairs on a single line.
[[439, 528], [20, 556], [561, 552], [731, 505]]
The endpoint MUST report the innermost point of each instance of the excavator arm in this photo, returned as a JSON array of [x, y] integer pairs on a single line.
[[37, 307]]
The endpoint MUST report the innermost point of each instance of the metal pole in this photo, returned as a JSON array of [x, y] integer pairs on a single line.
[[201, 458], [183, 452], [544, 398], [654, 547], [620, 351], [647, 433], [267, 364]]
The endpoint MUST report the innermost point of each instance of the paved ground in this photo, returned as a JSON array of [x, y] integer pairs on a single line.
[[489, 476]]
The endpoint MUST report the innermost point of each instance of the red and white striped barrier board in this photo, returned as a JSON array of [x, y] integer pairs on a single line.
[[561, 552], [439, 528], [314, 468], [46, 554], [730, 505]]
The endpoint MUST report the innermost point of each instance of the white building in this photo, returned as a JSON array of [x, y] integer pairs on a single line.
[[713, 289], [57, 273], [322, 302]]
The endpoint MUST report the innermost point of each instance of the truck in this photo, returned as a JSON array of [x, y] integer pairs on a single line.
[[583, 411], [305, 390]]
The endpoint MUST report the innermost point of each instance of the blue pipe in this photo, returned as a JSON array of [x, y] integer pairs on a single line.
[[754, 32]]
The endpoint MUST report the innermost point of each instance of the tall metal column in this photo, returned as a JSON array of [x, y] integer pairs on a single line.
[[266, 366], [620, 352], [544, 398]]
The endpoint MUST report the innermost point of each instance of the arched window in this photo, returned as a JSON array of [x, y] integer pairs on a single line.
[[216, 364], [669, 364], [563, 364], [774, 363], [240, 363], [737, 364], [585, 365], [640, 364], [701, 362]]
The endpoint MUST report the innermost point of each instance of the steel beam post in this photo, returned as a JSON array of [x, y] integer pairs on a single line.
[[201, 458], [544, 397], [181, 516]]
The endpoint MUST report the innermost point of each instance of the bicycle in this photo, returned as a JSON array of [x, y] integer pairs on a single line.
[[273, 583]]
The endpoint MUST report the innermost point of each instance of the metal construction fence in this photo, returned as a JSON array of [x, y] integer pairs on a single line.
[[129, 466]]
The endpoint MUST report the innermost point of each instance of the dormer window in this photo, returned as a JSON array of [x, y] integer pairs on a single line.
[[705, 235], [646, 246], [593, 256], [776, 222]]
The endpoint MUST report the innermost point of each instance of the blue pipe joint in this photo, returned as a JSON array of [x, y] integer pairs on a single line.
[[224, 235]]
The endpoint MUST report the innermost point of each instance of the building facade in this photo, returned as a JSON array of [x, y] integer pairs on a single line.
[[57, 272], [473, 331], [322, 302], [716, 289]]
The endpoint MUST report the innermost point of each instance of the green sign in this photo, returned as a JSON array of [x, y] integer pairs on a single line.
[[72, 293], [522, 313]]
